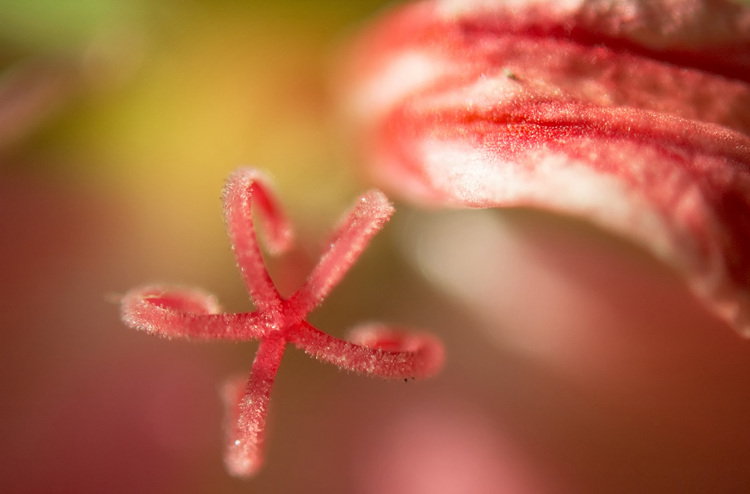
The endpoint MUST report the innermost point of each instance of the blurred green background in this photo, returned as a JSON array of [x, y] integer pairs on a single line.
[[165, 97]]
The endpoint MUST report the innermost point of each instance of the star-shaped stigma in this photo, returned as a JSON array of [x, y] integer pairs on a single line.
[[374, 349]]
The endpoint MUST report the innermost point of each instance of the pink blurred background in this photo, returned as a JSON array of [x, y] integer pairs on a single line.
[[575, 362]]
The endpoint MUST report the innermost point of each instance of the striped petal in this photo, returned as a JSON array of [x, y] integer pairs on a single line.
[[630, 113]]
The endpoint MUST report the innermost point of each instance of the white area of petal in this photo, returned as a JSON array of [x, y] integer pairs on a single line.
[[555, 182], [405, 73]]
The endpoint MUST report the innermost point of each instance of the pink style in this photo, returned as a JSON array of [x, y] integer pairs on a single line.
[[375, 350]]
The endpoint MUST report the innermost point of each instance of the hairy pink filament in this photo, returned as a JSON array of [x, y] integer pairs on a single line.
[[190, 313]]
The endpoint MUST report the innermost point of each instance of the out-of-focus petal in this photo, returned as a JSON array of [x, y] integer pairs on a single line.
[[630, 113]]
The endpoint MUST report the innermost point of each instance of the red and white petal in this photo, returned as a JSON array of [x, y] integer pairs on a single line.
[[175, 312], [630, 113]]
